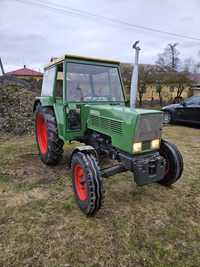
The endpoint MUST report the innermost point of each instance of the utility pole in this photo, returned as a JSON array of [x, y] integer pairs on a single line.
[[173, 55], [134, 79], [1, 66]]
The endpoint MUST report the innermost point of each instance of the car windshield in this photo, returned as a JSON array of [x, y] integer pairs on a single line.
[[193, 100], [91, 83]]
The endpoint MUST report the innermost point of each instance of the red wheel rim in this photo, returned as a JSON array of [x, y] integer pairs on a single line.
[[41, 133], [80, 182]]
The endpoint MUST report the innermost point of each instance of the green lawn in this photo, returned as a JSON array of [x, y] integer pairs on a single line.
[[40, 224]]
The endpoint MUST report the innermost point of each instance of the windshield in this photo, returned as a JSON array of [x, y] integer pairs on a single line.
[[193, 100], [90, 83]]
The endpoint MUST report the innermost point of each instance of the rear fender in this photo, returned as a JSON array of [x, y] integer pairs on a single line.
[[43, 101]]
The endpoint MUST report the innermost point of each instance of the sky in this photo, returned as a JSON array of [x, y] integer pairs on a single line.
[[30, 34]]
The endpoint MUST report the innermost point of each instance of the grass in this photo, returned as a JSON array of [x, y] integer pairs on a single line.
[[40, 224]]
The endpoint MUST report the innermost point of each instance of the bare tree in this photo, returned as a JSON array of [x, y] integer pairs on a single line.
[[169, 73], [169, 60], [126, 70], [182, 81], [159, 91], [188, 65], [145, 78], [197, 64], [177, 81], [141, 92]]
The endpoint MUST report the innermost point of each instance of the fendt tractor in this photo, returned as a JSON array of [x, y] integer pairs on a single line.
[[82, 100]]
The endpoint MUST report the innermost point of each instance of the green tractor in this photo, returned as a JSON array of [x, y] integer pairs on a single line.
[[82, 99]]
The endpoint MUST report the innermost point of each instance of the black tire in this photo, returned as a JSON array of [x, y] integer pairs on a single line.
[[89, 192], [50, 146], [167, 117], [174, 163]]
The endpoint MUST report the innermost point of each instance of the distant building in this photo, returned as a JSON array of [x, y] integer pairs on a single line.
[[26, 73], [195, 90]]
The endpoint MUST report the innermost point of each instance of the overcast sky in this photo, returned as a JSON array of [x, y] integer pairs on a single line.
[[30, 34]]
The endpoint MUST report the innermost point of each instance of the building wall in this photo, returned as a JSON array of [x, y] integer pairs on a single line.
[[167, 94], [196, 91]]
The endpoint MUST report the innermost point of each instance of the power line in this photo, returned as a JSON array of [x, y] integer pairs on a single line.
[[79, 12]]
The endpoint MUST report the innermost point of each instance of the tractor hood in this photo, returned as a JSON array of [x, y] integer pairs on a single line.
[[119, 112], [123, 124]]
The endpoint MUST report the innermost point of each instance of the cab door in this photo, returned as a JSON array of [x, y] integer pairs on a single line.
[[78, 88], [73, 117]]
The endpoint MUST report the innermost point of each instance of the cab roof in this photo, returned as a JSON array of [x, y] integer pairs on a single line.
[[77, 57]]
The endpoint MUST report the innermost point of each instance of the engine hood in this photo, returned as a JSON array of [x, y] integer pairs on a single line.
[[123, 124], [118, 112], [172, 106]]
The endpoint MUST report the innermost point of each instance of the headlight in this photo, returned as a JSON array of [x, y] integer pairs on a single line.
[[137, 147], [155, 144]]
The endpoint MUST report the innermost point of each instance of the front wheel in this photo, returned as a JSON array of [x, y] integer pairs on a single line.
[[87, 183], [174, 163]]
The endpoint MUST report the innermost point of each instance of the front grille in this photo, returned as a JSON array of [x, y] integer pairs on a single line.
[[94, 121], [146, 145], [106, 123], [149, 127]]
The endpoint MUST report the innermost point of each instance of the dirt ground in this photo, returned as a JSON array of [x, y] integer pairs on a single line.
[[40, 224]]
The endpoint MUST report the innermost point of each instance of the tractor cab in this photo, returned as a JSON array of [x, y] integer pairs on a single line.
[[71, 82]]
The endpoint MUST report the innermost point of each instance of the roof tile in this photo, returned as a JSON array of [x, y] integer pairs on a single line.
[[24, 72]]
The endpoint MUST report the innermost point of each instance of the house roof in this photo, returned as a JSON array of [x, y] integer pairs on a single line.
[[25, 72]]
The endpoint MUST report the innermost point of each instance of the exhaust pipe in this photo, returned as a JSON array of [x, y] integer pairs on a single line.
[[134, 78]]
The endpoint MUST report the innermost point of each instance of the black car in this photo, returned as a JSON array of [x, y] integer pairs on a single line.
[[186, 111]]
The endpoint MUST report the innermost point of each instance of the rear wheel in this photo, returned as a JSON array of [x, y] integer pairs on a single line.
[[174, 163], [87, 183], [49, 144]]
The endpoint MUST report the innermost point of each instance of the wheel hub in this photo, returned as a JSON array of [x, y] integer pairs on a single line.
[[80, 182], [41, 133]]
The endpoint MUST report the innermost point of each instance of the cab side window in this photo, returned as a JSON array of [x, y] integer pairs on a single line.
[[48, 82], [59, 82]]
